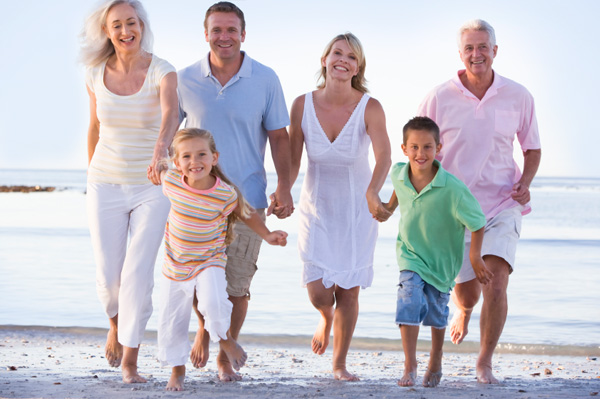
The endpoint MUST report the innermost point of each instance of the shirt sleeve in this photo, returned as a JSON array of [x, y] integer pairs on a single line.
[[528, 134], [276, 115], [89, 78], [231, 203], [163, 68], [469, 212]]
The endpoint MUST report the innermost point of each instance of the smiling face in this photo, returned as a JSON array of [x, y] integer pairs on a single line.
[[341, 62], [477, 53], [224, 34], [194, 159], [421, 149], [123, 28]]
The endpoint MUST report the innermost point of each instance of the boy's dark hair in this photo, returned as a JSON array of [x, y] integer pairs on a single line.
[[225, 6], [421, 123]]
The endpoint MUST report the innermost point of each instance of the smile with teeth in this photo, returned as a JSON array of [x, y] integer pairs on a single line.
[[340, 68], [128, 40]]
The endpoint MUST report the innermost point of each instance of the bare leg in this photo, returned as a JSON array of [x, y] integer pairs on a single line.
[[201, 346], [235, 353], [176, 381], [493, 317], [433, 375], [238, 315], [129, 366], [465, 296], [409, 345], [344, 321], [113, 350], [323, 300]]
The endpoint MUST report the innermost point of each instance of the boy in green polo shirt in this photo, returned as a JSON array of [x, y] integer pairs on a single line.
[[435, 209]]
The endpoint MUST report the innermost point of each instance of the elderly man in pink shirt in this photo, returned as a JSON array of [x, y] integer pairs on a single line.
[[479, 113]]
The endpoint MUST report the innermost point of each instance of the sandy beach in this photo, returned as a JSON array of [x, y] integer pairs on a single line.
[[45, 362]]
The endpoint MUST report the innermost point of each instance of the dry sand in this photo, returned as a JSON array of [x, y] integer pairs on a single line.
[[43, 362]]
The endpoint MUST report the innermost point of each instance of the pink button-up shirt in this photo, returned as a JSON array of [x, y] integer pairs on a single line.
[[477, 137]]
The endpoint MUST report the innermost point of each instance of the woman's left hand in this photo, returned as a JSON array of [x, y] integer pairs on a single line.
[[379, 212]]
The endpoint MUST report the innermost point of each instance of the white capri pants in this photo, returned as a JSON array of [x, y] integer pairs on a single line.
[[175, 310], [125, 271]]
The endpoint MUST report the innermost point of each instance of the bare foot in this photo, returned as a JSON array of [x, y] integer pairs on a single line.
[[200, 349], [408, 378], [130, 375], [226, 372], [176, 381], [321, 338], [113, 350], [432, 379], [459, 326], [344, 375], [485, 375], [235, 353]]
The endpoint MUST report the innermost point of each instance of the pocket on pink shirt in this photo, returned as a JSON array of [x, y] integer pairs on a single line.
[[507, 122]]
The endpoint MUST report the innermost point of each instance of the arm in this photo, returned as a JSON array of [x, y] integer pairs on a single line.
[[531, 163], [391, 205], [94, 127], [282, 203], [169, 107], [376, 129], [276, 237], [484, 275], [296, 137]]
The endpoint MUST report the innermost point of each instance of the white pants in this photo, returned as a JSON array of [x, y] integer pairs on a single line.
[[125, 273], [176, 307]]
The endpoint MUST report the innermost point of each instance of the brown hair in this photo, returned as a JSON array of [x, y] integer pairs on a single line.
[[421, 123], [245, 208], [225, 6]]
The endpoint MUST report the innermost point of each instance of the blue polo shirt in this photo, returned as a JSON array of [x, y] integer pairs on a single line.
[[239, 115], [431, 237]]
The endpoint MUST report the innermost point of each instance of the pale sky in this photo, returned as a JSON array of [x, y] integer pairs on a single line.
[[549, 46]]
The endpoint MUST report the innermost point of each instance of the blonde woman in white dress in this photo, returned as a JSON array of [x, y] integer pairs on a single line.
[[133, 118], [340, 203]]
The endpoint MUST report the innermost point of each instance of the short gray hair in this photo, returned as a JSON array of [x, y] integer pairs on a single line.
[[480, 25], [95, 46]]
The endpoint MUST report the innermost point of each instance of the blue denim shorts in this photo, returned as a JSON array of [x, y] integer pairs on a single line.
[[420, 302]]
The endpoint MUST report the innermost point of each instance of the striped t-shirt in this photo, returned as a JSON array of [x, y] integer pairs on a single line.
[[129, 126], [196, 227]]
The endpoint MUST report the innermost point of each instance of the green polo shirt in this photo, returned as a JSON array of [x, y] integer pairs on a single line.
[[431, 237]]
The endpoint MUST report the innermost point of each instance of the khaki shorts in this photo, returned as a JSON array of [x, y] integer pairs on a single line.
[[242, 255], [501, 236]]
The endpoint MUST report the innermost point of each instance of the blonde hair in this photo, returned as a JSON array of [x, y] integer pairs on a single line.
[[95, 46], [359, 82], [192, 133]]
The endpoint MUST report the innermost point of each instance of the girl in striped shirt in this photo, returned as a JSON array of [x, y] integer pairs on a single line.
[[204, 204]]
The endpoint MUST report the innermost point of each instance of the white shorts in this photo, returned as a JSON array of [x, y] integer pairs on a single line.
[[501, 236], [175, 309]]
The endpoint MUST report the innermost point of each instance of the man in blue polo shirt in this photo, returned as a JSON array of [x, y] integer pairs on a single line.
[[241, 102]]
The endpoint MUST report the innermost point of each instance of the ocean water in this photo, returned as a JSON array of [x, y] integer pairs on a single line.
[[48, 274]]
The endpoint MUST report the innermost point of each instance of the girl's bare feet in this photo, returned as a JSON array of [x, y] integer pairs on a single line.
[[113, 350], [176, 381], [200, 349]]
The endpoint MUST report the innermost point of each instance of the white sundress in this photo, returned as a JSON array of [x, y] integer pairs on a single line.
[[337, 233]]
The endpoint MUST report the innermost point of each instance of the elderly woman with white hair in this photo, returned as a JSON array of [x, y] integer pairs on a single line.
[[133, 118]]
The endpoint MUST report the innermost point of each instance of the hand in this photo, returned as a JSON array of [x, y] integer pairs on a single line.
[[155, 169], [277, 237], [388, 207], [520, 193], [282, 205], [484, 275], [379, 212]]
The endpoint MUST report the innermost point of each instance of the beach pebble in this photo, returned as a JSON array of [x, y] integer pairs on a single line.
[[547, 371], [11, 368], [535, 374]]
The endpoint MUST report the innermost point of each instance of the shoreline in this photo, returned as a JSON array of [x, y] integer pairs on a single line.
[[47, 362]]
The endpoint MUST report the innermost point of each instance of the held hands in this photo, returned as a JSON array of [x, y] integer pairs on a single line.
[[276, 237], [484, 275], [520, 193], [155, 169], [376, 207], [282, 204]]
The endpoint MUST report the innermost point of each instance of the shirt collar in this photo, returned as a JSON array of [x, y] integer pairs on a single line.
[[244, 72], [497, 83], [439, 180]]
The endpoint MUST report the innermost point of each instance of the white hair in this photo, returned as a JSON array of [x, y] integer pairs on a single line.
[[480, 25], [96, 47]]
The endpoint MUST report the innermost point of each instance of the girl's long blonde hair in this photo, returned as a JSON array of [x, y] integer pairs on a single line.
[[245, 208]]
